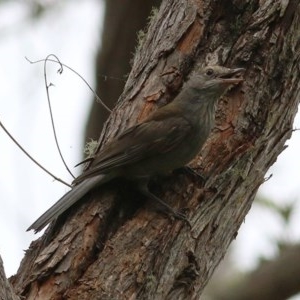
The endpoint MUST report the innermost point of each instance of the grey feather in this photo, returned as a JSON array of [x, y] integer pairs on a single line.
[[71, 197]]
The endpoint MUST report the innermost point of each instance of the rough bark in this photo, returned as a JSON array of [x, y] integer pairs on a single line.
[[123, 20], [111, 246], [6, 291]]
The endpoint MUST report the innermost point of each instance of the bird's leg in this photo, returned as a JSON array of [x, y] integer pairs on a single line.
[[163, 206], [190, 171]]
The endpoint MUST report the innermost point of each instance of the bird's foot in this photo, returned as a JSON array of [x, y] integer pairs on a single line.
[[191, 172], [171, 213], [183, 217], [162, 206]]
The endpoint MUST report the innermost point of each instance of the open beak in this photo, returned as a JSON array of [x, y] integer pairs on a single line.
[[233, 76]]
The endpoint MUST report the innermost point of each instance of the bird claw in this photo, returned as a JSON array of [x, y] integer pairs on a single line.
[[183, 217], [172, 214], [190, 171], [163, 207]]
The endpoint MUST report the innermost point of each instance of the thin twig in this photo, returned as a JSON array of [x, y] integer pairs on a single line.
[[31, 158], [60, 70], [66, 66]]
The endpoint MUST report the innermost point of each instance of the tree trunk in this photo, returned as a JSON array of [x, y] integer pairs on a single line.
[[111, 246], [123, 20], [6, 291]]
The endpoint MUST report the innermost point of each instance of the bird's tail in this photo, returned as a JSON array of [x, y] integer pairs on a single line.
[[71, 197]]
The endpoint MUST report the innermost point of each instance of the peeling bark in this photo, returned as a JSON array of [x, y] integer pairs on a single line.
[[6, 291], [123, 20], [110, 246]]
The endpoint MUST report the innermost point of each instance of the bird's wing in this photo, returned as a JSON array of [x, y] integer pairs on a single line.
[[144, 140]]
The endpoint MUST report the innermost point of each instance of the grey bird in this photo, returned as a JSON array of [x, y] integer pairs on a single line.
[[167, 140]]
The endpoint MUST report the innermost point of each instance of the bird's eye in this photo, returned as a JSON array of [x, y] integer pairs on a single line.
[[209, 72]]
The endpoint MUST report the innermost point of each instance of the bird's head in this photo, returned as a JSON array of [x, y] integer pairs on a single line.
[[213, 81]]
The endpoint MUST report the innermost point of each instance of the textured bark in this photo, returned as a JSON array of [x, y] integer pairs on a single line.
[[112, 246], [6, 291], [123, 20]]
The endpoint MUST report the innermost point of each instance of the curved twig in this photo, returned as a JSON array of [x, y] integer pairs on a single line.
[[66, 66], [60, 70]]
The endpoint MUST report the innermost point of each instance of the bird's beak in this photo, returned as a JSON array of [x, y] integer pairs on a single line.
[[233, 76]]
